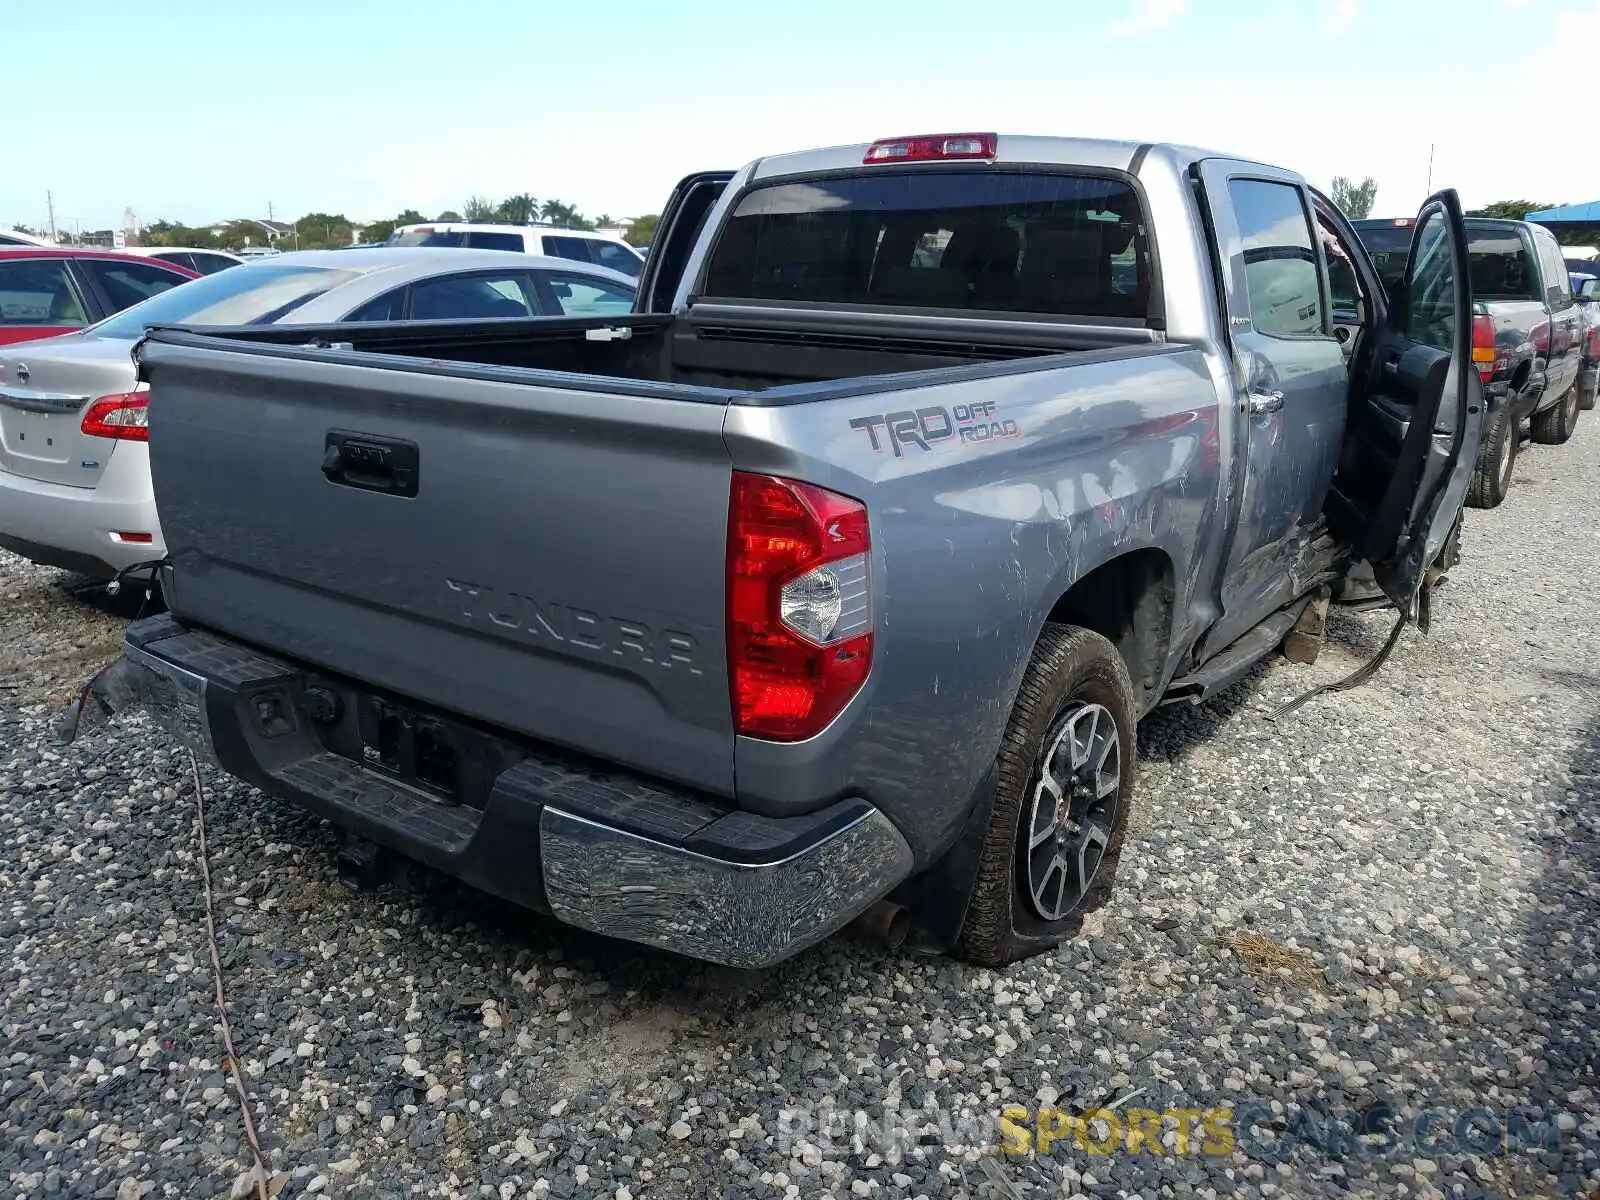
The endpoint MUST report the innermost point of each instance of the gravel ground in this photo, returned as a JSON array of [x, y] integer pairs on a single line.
[[1388, 902]]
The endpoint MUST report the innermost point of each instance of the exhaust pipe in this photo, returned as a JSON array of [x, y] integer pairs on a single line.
[[886, 924]]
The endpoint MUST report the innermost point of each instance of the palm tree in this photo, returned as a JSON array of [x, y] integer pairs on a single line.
[[519, 210]]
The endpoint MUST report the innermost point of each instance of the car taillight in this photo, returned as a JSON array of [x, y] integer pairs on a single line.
[[799, 605], [122, 416], [932, 147], [1483, 347]]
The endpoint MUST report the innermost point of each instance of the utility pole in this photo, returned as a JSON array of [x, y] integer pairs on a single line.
[[50, 203], [1430, 169]]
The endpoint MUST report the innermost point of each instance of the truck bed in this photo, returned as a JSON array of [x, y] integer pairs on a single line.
[[724, 348], [525, 526]]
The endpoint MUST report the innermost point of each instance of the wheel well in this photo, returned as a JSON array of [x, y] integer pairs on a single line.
[[1129, 601]]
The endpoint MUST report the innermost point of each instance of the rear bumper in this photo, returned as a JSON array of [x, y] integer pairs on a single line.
[[75, 528], [600, 850]]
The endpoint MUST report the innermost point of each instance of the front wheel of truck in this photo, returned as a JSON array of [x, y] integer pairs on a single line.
[[1065, 769]]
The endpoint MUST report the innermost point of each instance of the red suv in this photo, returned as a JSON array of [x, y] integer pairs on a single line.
[[49, 290]]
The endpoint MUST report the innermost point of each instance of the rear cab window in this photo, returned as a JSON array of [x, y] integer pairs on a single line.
[[1059, 243], [1388, 245], [1501, 265]]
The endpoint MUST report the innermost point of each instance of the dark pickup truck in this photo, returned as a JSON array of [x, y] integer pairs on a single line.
[[833, 580], [1527, 335]]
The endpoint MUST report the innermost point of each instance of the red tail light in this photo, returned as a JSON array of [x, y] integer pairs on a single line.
[[799, 605], [1483, 349], [1591, 344], [930, 148], [121, 416]]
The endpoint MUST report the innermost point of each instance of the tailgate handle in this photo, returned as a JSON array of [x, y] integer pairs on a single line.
[[370, 463]]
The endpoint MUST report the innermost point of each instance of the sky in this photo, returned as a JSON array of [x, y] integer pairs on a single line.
[[199, 111]]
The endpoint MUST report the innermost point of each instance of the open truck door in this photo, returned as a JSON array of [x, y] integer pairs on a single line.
[[1415, 414], [675, 237]]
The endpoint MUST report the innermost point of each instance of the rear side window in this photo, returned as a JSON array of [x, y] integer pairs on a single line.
[[1280, 259], [482, 240], [576, 249], [127, 283], [210, 264], [425, 237], [1502, 268], [39, 292], [618, 258], [965, 240]]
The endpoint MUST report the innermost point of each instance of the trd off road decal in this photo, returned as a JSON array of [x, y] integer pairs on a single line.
[[926, 428]]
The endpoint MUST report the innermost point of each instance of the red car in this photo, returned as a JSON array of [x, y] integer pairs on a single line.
[[49, 290]]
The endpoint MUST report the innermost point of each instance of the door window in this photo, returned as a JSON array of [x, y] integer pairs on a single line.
[[462, 297], [388, 307], [39, 292], [585, 296], [1430, 314], [1558, 290], [618, 258], [1280, 259], [576, 249], [127, 283]]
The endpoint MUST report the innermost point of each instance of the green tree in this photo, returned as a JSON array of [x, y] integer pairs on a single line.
[[411, 217], [559, 212], [642, 230], [1509, 210], [321, 230], [520, 209], [448, 214], [1355, 200], [478, 208]]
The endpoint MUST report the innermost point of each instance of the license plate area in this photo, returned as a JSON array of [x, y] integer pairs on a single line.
[[416, 749]]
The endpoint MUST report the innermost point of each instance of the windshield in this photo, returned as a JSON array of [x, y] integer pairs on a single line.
[[250, 295]]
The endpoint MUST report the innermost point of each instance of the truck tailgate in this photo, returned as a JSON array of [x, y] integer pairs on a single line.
[[542, 556]]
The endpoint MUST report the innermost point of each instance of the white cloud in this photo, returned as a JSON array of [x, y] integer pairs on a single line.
[[1150, 16], [1341, 16]]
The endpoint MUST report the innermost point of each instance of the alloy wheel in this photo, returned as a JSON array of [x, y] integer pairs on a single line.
[[1074, 809]]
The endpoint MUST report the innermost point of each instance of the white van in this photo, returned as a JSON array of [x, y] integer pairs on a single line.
[[580, 245]]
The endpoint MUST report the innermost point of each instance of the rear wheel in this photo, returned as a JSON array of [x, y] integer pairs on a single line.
[[1050, 853], [1554, 425], [1586, 398], [1497, 455]]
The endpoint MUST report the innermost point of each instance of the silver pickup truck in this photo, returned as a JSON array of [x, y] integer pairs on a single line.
[[830, 583]]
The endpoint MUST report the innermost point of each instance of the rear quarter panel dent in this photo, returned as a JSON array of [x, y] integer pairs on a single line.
[[974, 542]]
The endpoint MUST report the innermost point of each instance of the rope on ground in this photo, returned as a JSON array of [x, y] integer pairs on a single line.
[[250, 1135], [1353, 680]]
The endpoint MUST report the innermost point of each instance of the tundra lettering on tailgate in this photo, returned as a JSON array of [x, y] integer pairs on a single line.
[[545, 620], [926, 428]]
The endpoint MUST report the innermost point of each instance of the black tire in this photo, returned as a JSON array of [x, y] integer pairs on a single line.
[[1586, 399], [1497, 456], [1554, 425], [1075, 675]]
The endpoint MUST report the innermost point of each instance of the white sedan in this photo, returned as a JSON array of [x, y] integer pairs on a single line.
[[75, 486]]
